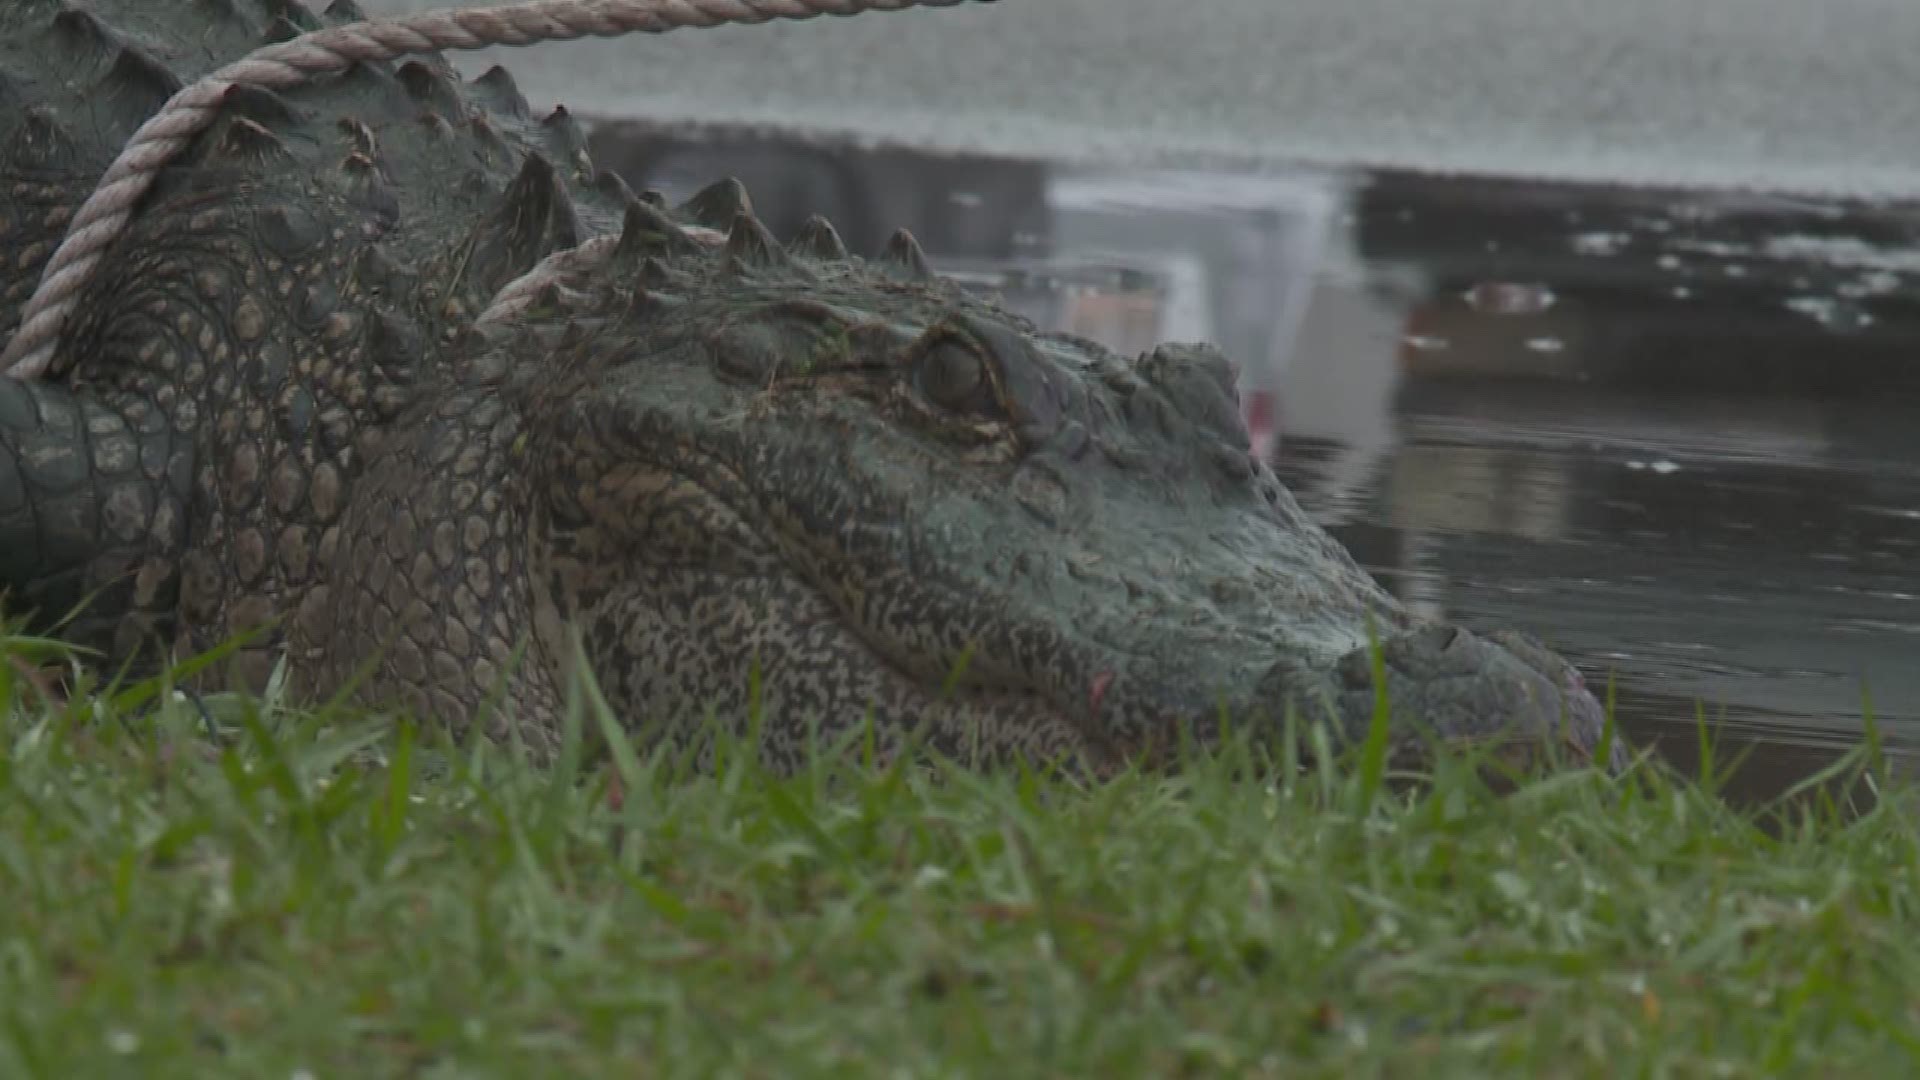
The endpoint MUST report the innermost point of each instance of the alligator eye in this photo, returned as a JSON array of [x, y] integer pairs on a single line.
[[953, 376]]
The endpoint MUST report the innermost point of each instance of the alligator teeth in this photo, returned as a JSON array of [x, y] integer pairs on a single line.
[[749, 244], [818, 238], [904, 259], [717, 204]]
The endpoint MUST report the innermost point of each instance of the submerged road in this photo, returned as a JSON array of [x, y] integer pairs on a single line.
[[1787, 95]]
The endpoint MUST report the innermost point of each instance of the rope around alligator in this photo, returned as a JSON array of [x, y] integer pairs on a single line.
[[277, 67]]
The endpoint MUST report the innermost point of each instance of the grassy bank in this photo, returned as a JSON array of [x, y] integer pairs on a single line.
[[301, 894]]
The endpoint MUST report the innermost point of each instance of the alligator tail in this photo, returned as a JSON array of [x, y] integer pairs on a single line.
[[91, 516]]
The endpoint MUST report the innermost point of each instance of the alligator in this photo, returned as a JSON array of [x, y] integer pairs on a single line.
[[732, 478]]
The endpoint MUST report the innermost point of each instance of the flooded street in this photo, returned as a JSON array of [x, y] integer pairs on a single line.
[[1670, 432], [1674, 433]]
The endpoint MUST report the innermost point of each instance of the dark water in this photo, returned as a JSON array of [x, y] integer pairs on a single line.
[[1672, 432]]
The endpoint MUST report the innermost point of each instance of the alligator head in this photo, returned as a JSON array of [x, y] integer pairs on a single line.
[[866, 494]]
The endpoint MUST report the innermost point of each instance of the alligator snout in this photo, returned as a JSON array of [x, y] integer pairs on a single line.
[[1458, 688]]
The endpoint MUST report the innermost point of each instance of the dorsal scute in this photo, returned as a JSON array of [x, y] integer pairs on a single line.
[[718, 204], [564, 134], [534, 218], [84, 32], [139, 80], [750, 246], [904, 258], [647, 231], [238, 140], [497, 88], [431, 87], [818, 239]]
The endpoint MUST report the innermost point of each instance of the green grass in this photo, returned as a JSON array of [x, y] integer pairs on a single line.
[[314, 894]]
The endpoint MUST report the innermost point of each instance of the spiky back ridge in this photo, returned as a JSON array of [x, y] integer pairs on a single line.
[[77, 78], [281, 287], [695, 268], [715, 237]]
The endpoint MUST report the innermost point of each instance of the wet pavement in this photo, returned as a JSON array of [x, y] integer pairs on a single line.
[[1780, 94], [1671, 431]]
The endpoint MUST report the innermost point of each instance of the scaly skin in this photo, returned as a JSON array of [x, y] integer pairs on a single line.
[[891, 499], [858, 480], [278, 294]]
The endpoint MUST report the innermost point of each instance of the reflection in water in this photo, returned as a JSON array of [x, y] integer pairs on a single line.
[[1671, 432]]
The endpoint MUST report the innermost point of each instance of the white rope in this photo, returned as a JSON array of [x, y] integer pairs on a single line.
[[558, 268], [106, 212], [564, 268]]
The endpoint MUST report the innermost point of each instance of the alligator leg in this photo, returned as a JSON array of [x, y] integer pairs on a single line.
[[431, 602], [91, 516]]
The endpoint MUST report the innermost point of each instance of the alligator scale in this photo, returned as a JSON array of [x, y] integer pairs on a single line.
[[712, 454]]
